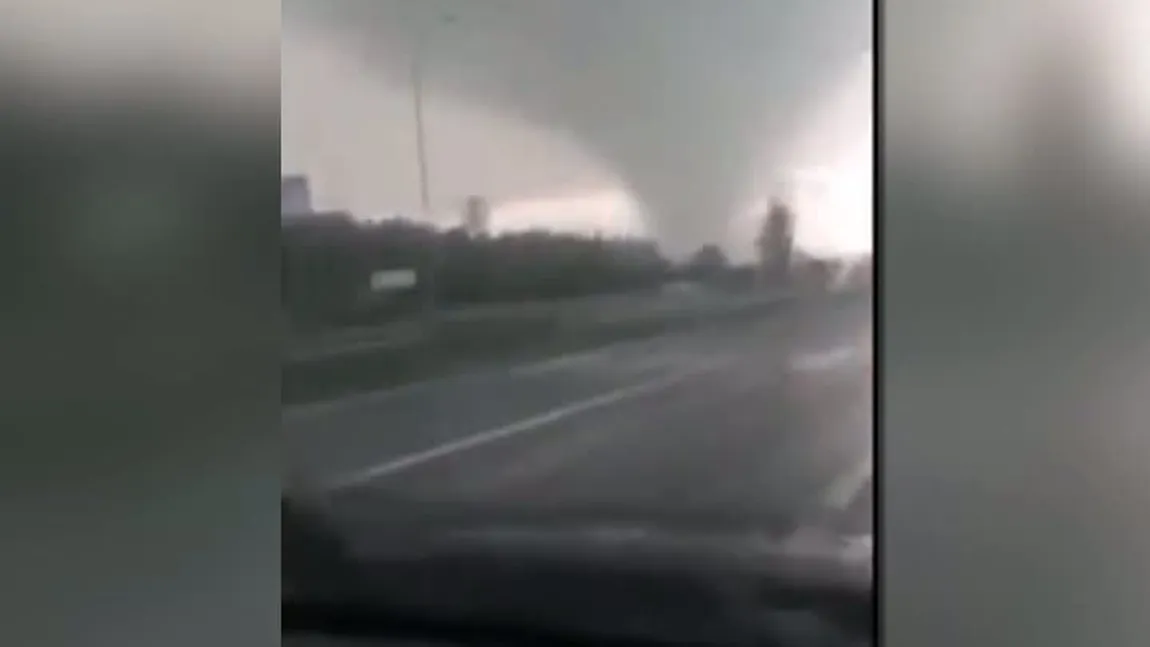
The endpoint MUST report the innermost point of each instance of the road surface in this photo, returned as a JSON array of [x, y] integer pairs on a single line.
[[767, 420]]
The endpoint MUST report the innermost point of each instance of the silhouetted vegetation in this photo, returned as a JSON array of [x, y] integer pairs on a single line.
[[328, 261], [709, 262]]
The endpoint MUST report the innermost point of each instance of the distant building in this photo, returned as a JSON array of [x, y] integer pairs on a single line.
[[295, 195], [476, 215]]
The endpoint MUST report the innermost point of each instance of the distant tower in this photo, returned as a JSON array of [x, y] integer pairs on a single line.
[[476, 215], [776, 241], [295, 195]]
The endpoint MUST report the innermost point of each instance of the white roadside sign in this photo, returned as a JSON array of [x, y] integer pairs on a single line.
[[383, 280]]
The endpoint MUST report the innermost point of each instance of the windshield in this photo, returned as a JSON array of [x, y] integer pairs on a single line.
[[588, 265]]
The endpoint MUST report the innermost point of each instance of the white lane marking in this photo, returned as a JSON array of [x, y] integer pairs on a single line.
[[826, 359], [561, 362], [533, 423], [645, 348], [835, 500], [367, 398], [316, 409], [810, 541]]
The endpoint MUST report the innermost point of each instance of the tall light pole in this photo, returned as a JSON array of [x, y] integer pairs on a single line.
[[423, 39]]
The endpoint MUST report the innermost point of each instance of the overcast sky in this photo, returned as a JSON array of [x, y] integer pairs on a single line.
[[677, 119]]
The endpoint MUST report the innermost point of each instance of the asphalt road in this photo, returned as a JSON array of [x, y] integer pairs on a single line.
[[769, 419]]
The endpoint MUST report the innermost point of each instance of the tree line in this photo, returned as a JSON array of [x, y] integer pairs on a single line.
[[327, 262]]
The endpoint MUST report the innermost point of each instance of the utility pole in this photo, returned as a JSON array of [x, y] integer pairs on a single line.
[[423, 40]]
